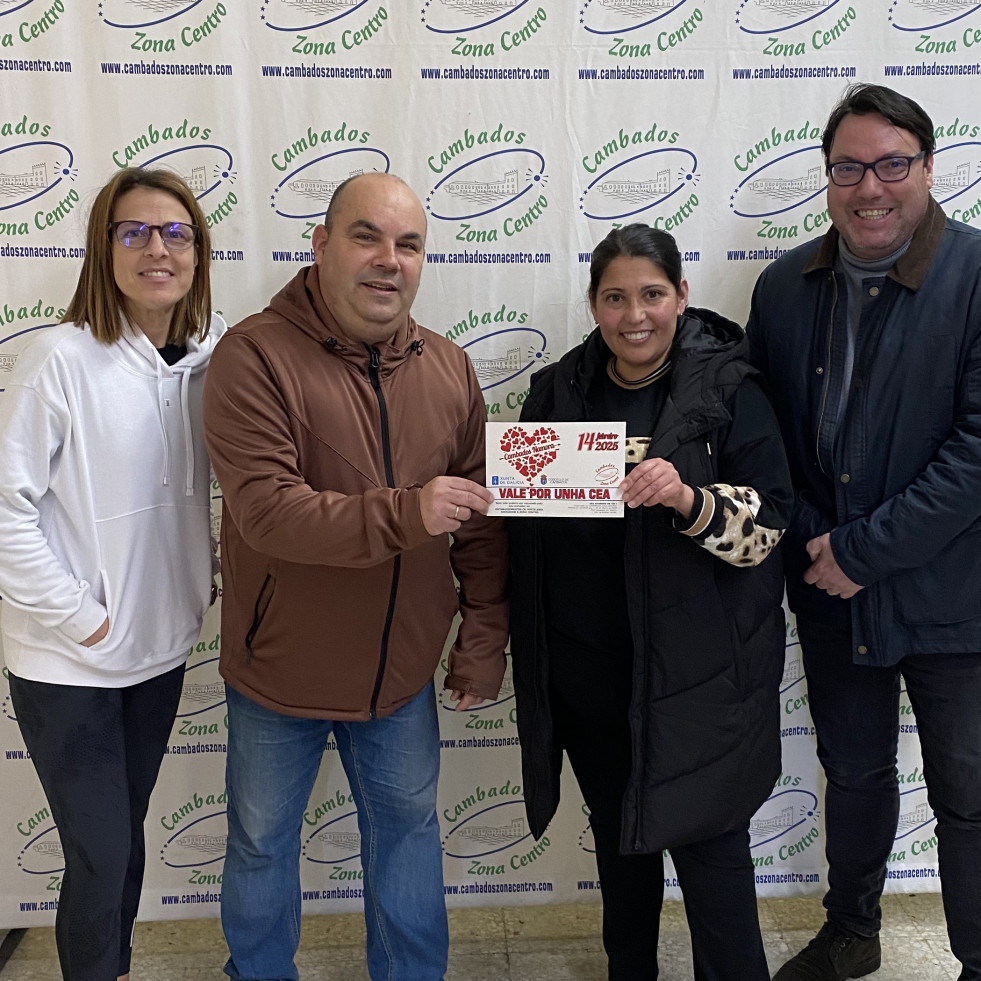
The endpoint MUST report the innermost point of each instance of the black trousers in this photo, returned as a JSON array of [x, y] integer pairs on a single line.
[[97, 752], [589, 698], [856, 716]]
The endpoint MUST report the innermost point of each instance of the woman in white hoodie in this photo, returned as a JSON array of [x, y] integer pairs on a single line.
[[106, 568]]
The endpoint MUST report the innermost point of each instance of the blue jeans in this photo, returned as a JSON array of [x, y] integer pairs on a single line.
[[392, 765], [856, 716]]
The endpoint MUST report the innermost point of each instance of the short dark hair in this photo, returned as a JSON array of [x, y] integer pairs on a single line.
[[97, 300], [636, 241], [864, 98]]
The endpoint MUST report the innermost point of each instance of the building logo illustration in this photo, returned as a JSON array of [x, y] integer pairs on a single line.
[[929, 15], [957, 170], [500, 357], [304, 193], [201, 843], [460, 16], [30, 170], [306, 15], [204, 167], [128, 14], [773, 16], [43, 854], [914, 812], [793, 668], [782, 814], [620, 16], [490, 831], [782, 185], [202, 690], [487, 184], [639, 183], [335, 842]]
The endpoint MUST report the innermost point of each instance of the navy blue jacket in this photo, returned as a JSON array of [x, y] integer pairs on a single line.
[[900, 487]]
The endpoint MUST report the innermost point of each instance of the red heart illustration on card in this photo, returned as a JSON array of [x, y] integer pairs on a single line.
[[530, 452]]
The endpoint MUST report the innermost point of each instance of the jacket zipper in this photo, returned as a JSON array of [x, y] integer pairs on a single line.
[[396, 567], [827, 376]]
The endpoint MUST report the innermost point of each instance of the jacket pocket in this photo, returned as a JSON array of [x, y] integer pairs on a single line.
[[940, 593], [111, 613], [261, 607]]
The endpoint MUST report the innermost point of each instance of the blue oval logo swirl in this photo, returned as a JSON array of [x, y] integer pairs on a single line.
[[33, 169], [597, 19], [486, 184], [907, 15], [201, 843], [307, 196], [492, 830], [202, 166], [645, 181], [781, 185], [781, 814], [334, 842], [440, 21], [525, 350], [956, 169], [43, 854], [276, 14], [752, 18], [914, 812], [114, 13], [13, 10]]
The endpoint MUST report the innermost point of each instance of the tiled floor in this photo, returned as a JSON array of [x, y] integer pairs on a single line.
[[537, 943]]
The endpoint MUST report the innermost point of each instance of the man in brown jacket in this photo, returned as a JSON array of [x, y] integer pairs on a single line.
[[349, 443]]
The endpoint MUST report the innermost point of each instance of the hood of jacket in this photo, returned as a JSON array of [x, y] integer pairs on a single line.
[[301, 303]]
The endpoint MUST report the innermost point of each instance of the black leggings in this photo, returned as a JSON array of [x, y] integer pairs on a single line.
[[717, 878], [97, 752]]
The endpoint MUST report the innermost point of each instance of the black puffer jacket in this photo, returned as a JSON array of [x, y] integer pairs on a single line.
[[708, 637]]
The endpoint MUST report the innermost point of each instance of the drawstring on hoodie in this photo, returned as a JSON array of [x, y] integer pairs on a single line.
[[188, 435]]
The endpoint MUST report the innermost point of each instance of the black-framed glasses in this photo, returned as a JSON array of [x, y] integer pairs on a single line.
[[177, 236], [847, 173]]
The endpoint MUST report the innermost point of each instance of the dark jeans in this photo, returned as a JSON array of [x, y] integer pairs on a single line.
[[97, 752], [717, 878], [856, 715]]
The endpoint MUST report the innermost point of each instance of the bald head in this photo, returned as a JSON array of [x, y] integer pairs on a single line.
[[338, 196], [369, 255]]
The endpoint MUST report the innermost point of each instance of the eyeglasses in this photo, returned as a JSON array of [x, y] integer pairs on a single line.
[[846, 173], [175, 235]]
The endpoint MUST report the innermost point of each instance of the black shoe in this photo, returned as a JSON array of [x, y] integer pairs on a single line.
[[833, 955]]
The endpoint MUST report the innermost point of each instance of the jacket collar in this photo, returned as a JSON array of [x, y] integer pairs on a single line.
[[911, 267]]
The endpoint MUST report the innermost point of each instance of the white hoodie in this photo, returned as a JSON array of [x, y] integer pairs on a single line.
[[104, 508]]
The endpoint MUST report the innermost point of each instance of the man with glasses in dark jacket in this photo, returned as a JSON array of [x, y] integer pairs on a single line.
[[870, 338]]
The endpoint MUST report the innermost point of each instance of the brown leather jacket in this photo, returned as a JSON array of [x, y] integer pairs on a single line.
[[336, 600]]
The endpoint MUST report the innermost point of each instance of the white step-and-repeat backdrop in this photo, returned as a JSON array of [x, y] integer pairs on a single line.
[[528, 128]]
